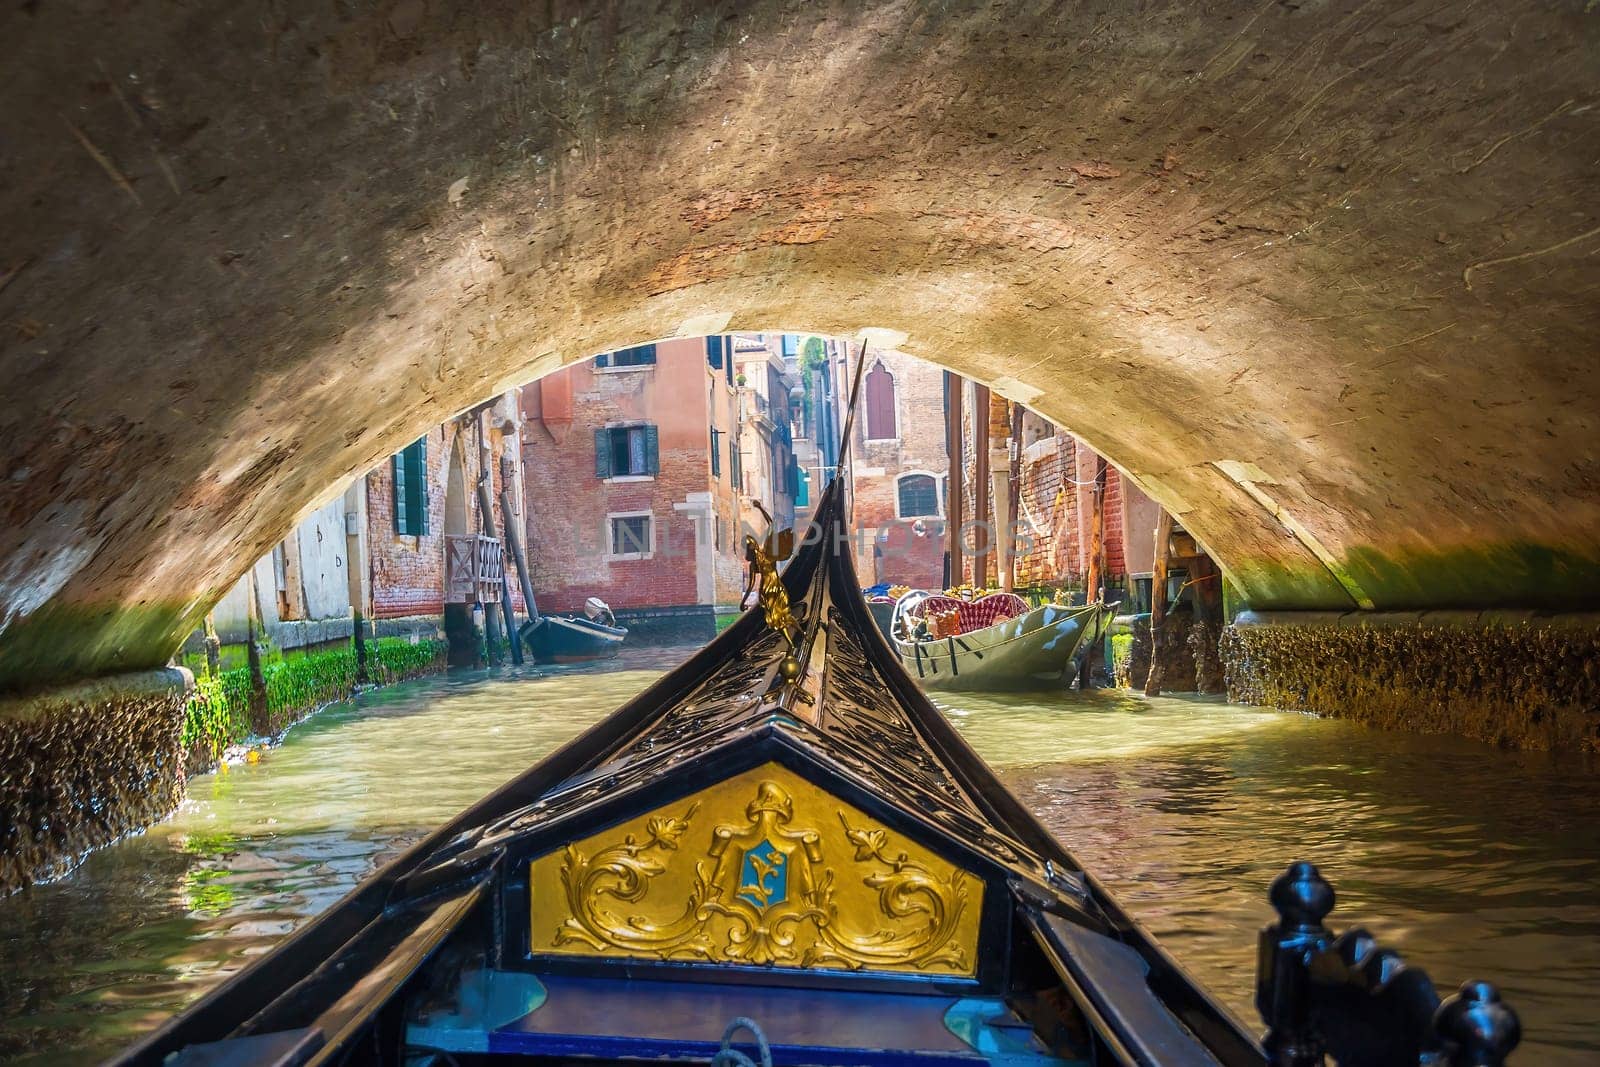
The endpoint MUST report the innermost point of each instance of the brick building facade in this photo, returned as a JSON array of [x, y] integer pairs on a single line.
[[899, 472], [765, 370], [407, 531], [1056, 473], [632, 474]]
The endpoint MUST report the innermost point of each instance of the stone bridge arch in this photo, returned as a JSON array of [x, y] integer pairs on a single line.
[[1319, 276]]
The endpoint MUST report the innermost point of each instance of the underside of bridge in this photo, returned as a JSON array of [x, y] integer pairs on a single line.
[[1318, 276]]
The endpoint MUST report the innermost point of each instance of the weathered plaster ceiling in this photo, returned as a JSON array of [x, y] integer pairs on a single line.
[[1319, 275]]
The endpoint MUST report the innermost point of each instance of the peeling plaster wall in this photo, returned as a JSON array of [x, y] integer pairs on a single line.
[[1318, 277]]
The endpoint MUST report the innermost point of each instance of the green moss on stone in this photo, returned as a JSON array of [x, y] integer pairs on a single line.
[[60, 644], [1513, 575]]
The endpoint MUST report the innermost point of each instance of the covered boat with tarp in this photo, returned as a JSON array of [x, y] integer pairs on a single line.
[[992, 642], [781, 851]]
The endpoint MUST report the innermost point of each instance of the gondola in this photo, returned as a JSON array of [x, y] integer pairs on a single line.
[[996, 642], [781, 851]]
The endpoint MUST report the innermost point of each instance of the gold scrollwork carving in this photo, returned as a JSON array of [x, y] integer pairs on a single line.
[[772, 883]]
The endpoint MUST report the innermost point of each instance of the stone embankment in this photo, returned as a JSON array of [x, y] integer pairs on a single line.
[[1518, 680], [83, 765]]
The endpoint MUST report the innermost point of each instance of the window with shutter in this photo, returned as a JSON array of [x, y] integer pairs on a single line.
[[716, 454], [714, 352], [880, 404], [400, 513], [411, 489], [626, 451], [652, 450]]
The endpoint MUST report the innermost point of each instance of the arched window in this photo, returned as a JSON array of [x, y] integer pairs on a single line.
[[880, 404], [917, 495]]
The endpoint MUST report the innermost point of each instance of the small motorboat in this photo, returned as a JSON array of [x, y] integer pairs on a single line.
[[784, 839], [993, 642], [574, 638]]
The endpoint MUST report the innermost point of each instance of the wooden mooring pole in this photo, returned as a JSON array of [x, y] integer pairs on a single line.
[[954, 389], [981, 512], [1096, 576], [252, 654], [1008, 580], [1158, 600]]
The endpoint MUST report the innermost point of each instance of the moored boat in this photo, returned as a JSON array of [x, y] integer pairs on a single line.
[[574, 638], [993, 642], [783, 838]]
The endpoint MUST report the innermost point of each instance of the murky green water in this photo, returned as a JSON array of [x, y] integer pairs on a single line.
[[1475, 862]]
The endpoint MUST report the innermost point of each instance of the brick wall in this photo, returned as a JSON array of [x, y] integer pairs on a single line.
[[892, 549], [1049, 512], [1057, 471], [568, 507], [408, 571]]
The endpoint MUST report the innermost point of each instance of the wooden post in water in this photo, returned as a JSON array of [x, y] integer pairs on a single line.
[[514, 540], [502, 623], [355, 568], [1008, 581], [954, 432], [252, 655], [1097, 567], [981, 512], [1158, 600], [213, 646], [1096, 574]]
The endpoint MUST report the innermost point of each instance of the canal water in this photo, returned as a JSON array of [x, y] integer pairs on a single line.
[[1476, 862]]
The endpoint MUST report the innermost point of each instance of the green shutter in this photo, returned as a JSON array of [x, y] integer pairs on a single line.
[[602, 453], [422, 509], [411, 489], [652, 450], [603, 359], [400, 492], [716, 455]]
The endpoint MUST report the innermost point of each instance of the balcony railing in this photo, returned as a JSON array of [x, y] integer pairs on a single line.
[[473, 565]]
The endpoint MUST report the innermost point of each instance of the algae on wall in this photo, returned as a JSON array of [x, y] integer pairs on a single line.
[[1524, 686], [218, 713]]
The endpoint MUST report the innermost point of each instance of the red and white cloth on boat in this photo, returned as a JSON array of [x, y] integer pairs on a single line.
[[973, 614]]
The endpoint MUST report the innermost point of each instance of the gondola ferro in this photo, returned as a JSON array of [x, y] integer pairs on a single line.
[[784, 839]]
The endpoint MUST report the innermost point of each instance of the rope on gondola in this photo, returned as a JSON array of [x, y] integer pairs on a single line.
[[728, 1056]]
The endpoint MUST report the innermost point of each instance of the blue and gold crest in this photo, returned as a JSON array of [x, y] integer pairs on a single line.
[[764, 876]]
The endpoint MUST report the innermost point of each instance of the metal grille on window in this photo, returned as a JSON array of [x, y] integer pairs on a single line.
[[918, 495]]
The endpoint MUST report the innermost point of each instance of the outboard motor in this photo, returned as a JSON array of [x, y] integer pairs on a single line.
[[597, 610]]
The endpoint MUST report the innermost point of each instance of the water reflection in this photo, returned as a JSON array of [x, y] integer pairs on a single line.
[[1476, 862]]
